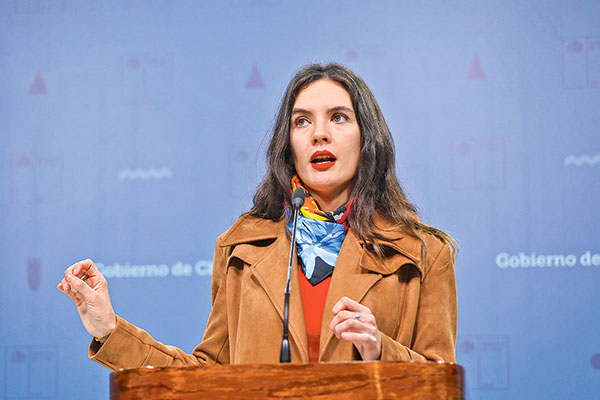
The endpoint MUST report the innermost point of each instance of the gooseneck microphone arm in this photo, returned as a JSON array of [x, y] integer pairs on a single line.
[[297, 202]]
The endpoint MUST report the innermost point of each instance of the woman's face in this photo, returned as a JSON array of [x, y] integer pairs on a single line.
[[325, 140]]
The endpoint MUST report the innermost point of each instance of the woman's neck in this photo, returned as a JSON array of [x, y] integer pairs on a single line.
[[331, 201]]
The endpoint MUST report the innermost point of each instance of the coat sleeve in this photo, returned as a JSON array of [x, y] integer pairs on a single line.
[[434, 335], [129, 346]]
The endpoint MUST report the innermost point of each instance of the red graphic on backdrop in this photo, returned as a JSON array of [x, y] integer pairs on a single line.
[[254, 3], [255, 81], [467, 347], [39, 6], [147, 78], [478, 163], [38, 87], [17, 356], [351, 55], [34, 273], [134, 63], [595, 361], [464, 148], [476, 71], [242, 156], [241, 171], [486, 360], [575, 47], [581, 63], [24, 162], [36, 179]]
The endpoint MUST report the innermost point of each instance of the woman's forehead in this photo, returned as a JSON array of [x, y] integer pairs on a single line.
[[323, 92]]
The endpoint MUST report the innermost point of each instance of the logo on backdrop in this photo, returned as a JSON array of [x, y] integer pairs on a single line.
[[242, 170], [31, 372], [595, 361], [547, 261], [582, 160], [254, 3], [255, 81], [486, 361], [34, 273], [581, 63], [38, 87], [145, 174], [478, 164], [37, 179], [476, 71], [178, 269], [39, 7], [147, 79]]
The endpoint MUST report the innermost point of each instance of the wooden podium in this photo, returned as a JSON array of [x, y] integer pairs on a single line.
[[349, 380]]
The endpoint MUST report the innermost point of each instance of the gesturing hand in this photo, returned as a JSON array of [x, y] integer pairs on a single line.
[[354, 322], [88, 289]]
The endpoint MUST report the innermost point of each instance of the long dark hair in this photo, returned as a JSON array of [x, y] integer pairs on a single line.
[[376, 188]]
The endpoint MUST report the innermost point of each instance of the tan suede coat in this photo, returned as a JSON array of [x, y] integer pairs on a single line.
[[414, 303]]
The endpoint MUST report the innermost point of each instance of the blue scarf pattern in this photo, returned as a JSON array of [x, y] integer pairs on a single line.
[[318, 243]]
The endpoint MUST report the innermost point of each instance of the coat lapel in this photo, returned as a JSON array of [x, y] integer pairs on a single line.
[[358, 269], [269, 267], [348, 280], [271, 272]]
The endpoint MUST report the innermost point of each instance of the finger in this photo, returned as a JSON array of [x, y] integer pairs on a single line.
[[66, 289], [80, 286], [368, 345], [85, 268], [350, 325], [359, 338], [71, 269], [346, 303], [341, 317], [74, 296], [63, 286]]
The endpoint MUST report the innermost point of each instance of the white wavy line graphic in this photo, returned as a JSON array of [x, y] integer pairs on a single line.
[[581, 160], [145, 174]]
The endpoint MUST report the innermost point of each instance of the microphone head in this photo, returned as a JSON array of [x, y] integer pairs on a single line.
[[297, 199]]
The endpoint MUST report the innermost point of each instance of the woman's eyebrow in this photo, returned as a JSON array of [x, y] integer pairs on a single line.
[[331, 110], [341, 108], [300, 111]]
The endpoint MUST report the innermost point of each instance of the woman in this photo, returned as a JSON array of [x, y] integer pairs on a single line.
[[392, 293]]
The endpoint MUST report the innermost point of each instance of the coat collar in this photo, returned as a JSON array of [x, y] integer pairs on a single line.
[[348, 277], [250, 229]]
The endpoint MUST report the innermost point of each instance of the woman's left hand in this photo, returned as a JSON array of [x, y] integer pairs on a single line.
[[353, 321]]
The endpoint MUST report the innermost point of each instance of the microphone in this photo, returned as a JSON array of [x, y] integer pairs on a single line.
[[297, 202]]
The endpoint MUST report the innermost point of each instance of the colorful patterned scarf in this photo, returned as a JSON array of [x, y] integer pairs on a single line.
[[319, 236]]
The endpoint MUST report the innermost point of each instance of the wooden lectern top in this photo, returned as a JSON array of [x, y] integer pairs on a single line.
[[348, 380]]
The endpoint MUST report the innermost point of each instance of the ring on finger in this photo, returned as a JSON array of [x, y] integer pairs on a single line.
[[357, 315]]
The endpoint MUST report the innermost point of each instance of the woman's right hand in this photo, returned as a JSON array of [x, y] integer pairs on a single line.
[[88, 289]]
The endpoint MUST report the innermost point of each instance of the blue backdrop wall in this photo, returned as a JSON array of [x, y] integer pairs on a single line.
[[133, 133]]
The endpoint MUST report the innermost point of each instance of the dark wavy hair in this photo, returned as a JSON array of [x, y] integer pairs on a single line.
[[376, 188]]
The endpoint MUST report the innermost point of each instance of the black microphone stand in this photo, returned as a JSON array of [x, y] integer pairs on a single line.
[[297, 202]]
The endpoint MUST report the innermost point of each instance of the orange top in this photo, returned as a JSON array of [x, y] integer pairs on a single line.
[[313, 303]]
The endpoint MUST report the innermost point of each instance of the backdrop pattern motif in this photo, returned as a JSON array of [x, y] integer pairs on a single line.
[[133, 133]]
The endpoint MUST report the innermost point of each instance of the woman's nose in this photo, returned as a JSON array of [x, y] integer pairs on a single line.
[[321, 133]]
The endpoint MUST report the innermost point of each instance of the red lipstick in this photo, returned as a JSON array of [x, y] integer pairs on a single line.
[[322, 160]]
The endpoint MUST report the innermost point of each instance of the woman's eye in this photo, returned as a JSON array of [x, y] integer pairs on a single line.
[[339, 118], [300, 122]]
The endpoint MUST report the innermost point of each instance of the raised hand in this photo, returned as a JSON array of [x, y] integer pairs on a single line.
[[88, 289], [354, 322]]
